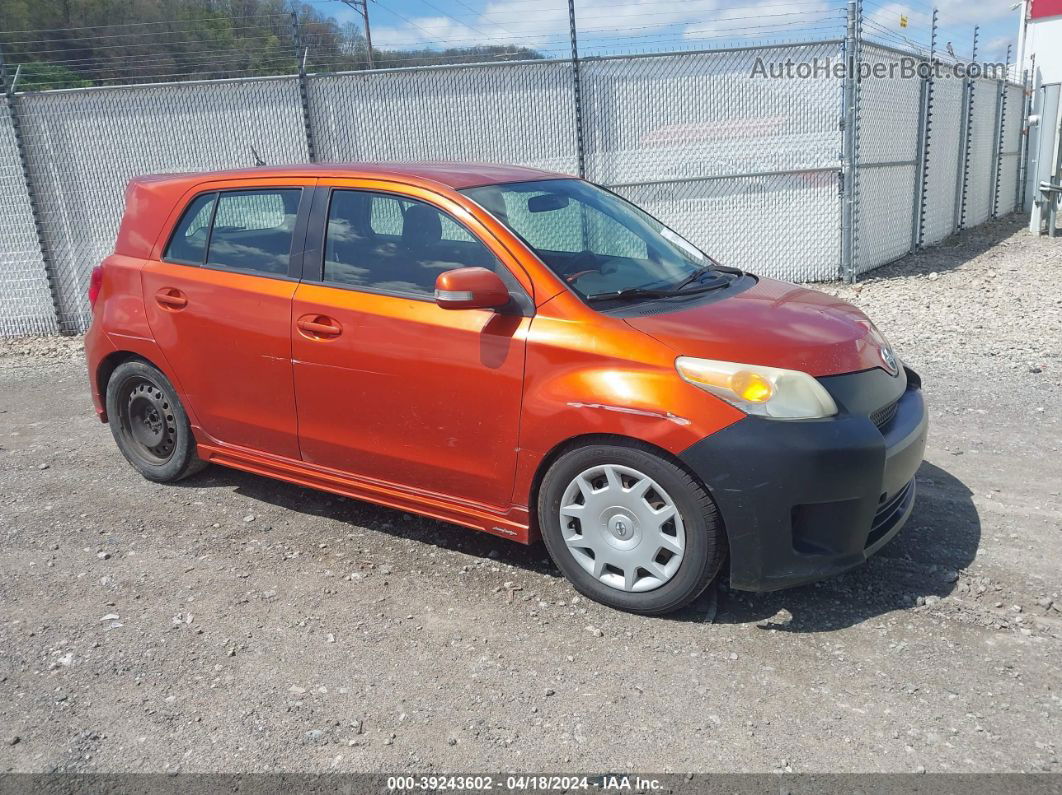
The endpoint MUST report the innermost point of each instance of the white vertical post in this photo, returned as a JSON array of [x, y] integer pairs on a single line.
[[964, 182], [850, 143]]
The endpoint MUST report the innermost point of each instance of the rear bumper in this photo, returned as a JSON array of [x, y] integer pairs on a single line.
[[809, 499], [97, 348]]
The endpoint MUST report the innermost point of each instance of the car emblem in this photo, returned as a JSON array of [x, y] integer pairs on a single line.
[[889, 358]]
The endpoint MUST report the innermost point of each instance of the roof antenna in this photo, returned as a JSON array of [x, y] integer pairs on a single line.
[[257, 160]]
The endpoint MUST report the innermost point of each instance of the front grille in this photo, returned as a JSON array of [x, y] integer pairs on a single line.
[[883, 416]]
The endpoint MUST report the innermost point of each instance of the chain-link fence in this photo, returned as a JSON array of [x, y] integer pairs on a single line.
[[81, 148], [889, 129], [946, 110], [25, 297], [742, 164], [522, 114], [981, 173], [746, 163], [936, 153], [1009, 167]]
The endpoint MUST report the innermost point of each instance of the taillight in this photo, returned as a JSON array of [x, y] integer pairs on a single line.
[[95, 284]]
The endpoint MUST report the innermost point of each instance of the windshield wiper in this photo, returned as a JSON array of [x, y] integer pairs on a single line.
[[723, 277], [704, 270], [629, 293]]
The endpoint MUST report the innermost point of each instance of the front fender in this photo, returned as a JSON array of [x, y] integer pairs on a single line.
[[606, 379]]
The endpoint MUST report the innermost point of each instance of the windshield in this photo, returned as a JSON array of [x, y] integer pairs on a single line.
[[597, 242]]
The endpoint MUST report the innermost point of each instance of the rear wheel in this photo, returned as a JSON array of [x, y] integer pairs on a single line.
[[149, 424], [629, 528]]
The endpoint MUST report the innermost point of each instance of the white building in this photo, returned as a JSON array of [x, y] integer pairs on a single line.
[[1040, 40], [1040, 52]]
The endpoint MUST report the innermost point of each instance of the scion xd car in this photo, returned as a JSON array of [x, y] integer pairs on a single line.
[[519, 352]]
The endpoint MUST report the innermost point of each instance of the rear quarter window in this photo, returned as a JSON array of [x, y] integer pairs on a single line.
[[189, 240]]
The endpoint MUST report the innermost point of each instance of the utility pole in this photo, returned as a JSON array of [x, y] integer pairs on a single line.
[[362, 6]]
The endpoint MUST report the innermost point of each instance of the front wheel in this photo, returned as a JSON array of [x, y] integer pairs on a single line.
[[149, 424], [630, 529]]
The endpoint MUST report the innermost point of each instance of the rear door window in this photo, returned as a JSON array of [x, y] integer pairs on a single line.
[[252, 230], [189, 241]]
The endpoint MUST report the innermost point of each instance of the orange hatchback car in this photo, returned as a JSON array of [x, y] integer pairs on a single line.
[[516, 351]]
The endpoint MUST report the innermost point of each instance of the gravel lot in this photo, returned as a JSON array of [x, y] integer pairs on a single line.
[[232, 623]]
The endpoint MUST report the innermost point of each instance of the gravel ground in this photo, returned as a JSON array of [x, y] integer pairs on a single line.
[[232, 623]]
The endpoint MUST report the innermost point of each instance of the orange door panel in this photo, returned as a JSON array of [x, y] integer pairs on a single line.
[[403, 391], [227, 337]]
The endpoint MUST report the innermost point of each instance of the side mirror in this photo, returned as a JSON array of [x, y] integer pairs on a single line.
[[470, 288]]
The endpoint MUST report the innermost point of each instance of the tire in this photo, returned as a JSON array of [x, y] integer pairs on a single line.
[[681, 555], [149, 424]]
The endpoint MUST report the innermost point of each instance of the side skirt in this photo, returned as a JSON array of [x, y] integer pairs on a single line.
[[512, 525]]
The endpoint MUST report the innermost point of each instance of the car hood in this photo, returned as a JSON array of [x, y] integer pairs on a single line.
[[775, 324]]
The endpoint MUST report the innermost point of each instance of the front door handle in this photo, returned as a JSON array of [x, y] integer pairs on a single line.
[[171, 298], [319, 327]]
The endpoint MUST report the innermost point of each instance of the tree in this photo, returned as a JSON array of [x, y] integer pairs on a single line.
[[72, 43]]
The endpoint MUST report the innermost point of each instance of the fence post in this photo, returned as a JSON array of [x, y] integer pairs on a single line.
[[967, 142], [960, 171], [921, 148], [918, 235], [7, 88], [304, 100], [577, 85], [850, 143], [997, 135], [1023, 144], [1001, 133]]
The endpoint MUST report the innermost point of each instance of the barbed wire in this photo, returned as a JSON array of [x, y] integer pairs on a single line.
[[260, 44]]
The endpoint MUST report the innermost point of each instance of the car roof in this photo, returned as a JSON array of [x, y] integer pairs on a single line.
[[150, 200], [452, 175]]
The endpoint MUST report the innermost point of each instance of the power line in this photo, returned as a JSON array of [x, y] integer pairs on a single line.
[[197, 53], [362, 6], [172, 34]]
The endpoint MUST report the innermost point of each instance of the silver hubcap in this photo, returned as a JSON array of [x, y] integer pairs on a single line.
[[622, 528]]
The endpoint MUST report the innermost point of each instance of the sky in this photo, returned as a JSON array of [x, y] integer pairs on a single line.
[[616, 26]]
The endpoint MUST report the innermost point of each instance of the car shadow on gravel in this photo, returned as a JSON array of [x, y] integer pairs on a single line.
[[395, 523], [922, 562], [920, 565]]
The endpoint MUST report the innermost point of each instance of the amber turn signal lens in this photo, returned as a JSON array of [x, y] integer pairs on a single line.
[[751, 387]]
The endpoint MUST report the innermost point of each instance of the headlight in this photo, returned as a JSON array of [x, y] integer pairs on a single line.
[[755, 389]]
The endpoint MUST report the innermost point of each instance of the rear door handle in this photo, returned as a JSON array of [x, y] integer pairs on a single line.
[[171, 298], [319, 327]]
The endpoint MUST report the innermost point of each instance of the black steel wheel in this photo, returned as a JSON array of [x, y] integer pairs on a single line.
[[147, 421], [149, 424]]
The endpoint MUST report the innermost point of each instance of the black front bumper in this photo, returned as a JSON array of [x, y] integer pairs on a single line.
[[807, 499]]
